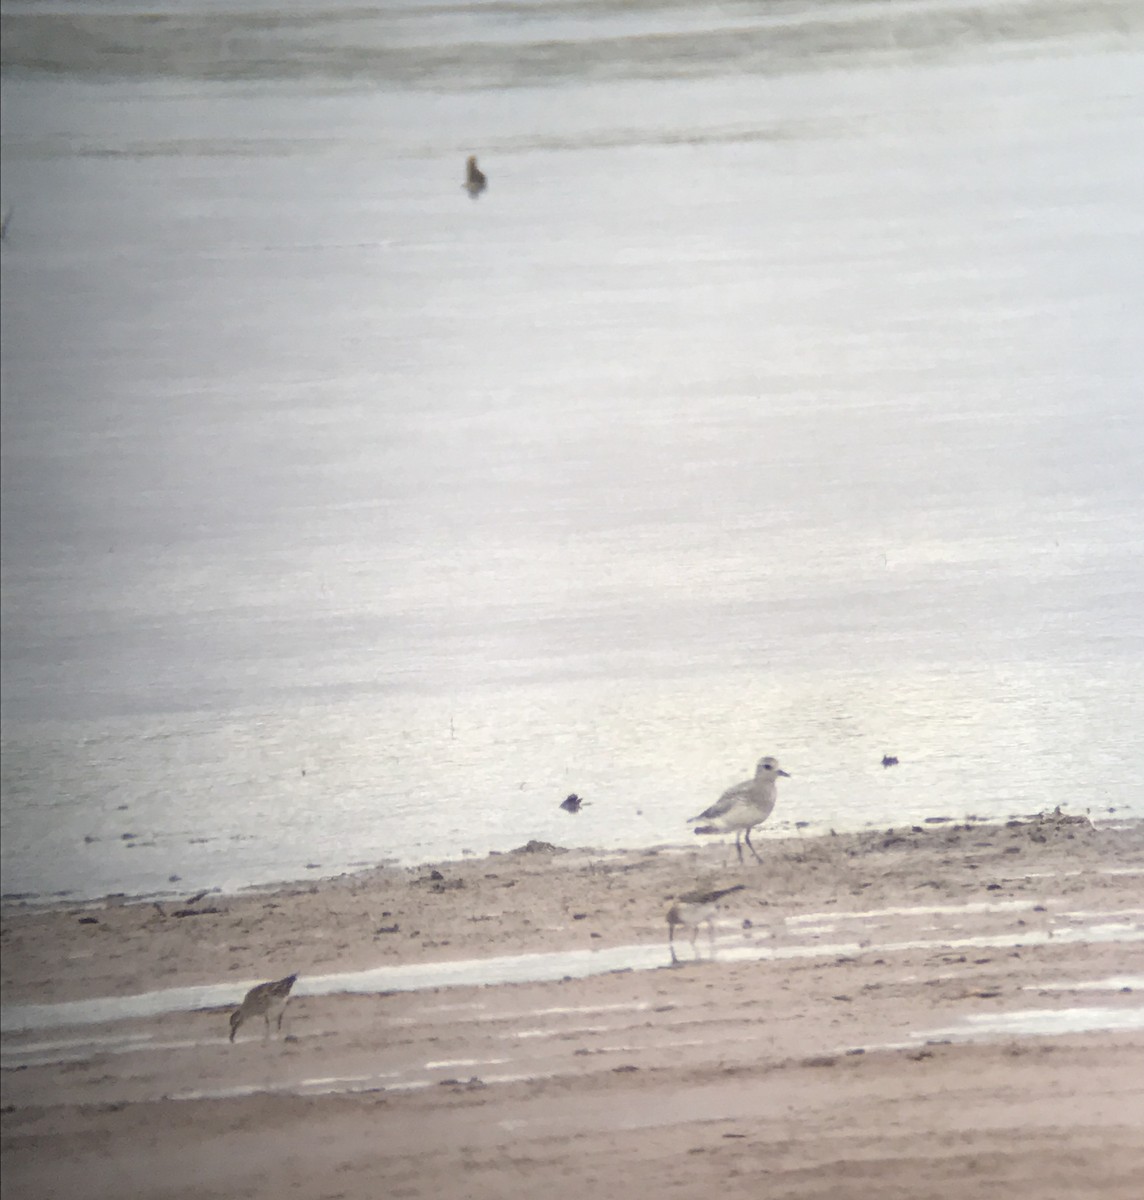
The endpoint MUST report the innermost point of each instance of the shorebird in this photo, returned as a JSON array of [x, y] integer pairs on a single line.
[[475, 181], [695, 908], [744, 806], [261, 1001]]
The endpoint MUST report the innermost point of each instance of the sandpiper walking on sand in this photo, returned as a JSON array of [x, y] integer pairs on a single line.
[[695, 909], [262, 1001], [475, 181], [744, 806]]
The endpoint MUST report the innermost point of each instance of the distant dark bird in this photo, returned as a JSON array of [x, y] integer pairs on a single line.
[[262, 1001], [573, 804], [744, 806], [475, 181], [695, 909], [888, 760]]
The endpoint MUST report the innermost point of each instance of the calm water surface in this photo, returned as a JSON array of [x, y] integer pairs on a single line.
[[782, 394]]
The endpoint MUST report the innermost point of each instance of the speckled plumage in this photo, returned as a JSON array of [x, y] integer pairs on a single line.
[[744, 806], [262, 1001]]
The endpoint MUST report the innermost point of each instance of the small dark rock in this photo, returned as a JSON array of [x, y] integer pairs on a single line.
[[88, 921]]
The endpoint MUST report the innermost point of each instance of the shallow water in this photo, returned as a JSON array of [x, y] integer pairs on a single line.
[[1039, 1022], [781, 395]]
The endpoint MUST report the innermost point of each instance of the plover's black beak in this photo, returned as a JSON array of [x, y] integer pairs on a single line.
[[784, 774]]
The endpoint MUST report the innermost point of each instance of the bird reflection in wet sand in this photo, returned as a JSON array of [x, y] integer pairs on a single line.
[[693, 909], [265, 1000], [475, 181], [744, 806]]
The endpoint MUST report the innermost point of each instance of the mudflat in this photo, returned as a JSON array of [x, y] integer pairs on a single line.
[[939, 1010]]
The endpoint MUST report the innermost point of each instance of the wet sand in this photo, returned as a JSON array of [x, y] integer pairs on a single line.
[[939, 1010]]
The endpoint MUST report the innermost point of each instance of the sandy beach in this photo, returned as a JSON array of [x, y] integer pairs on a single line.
[[937, 1010]]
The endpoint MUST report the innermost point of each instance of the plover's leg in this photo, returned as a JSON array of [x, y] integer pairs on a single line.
[[739, 844], [752, 849], [671, 943]]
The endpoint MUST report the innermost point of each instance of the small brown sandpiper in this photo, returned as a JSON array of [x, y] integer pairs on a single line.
[[262, 1001]]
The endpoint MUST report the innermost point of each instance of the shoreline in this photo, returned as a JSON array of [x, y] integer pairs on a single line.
[[942, 1010], [410, 904], [778, 828], [386, 914], [780, 833]]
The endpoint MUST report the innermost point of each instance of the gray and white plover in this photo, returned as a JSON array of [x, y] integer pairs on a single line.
[[263, 1001], [694, 909], [475, 181], [744, 806]]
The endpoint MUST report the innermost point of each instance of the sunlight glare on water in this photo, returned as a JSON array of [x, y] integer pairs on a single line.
[[781, 395]]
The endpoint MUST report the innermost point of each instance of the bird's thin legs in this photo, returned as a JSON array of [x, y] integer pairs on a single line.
[[751, 848]]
